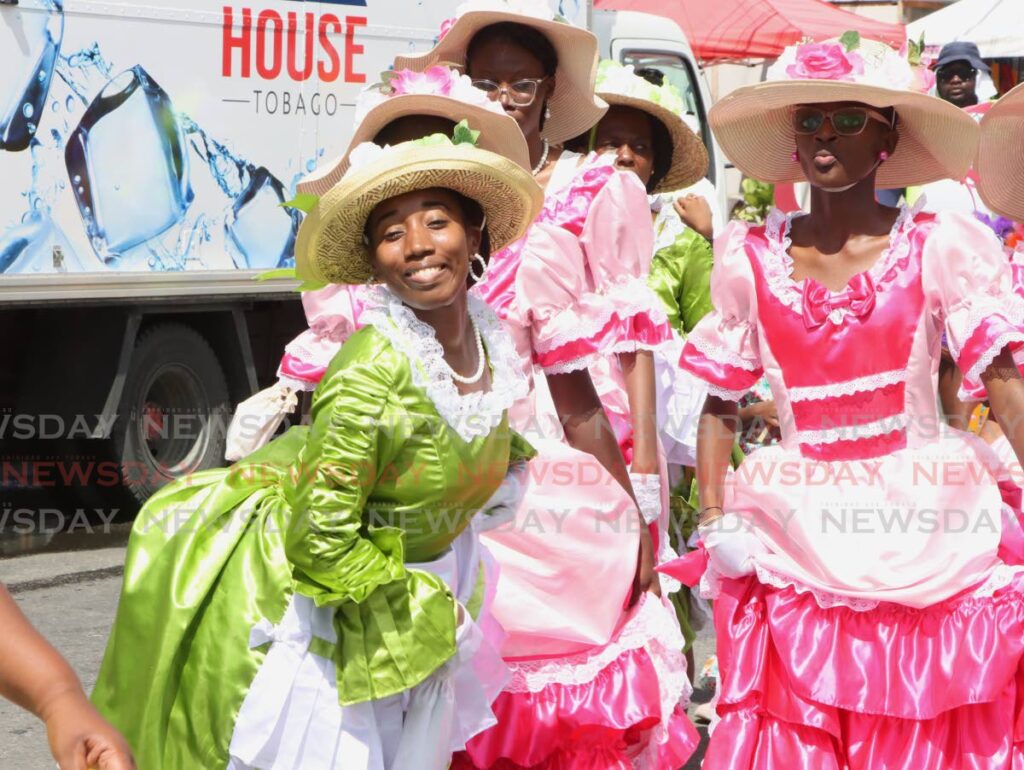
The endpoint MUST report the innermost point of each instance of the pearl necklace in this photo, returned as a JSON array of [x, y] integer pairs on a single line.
[[543, 159], [475, 377]]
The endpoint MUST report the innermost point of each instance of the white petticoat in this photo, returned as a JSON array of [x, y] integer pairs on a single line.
[[680, 399], [291, 717]]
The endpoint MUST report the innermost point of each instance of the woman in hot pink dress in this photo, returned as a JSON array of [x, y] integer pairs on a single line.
[[598, 678], [869, 603]]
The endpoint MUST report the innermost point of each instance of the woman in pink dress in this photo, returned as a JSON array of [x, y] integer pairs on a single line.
[[869, 613], [1000, 172], [598, 679]]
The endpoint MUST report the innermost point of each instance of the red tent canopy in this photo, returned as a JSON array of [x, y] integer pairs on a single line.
[[757, 29]]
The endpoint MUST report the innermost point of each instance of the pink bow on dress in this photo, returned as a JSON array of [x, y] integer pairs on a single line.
[[858, 298]]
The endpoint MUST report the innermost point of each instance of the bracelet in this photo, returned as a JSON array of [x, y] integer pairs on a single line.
[[701, 521]]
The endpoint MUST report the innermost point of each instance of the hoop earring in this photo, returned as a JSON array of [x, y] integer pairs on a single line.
[[477, 261]]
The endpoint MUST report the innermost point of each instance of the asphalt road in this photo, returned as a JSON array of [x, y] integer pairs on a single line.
[[76, 616]]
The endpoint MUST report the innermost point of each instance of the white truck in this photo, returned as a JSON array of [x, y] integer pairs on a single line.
[[145, 147]]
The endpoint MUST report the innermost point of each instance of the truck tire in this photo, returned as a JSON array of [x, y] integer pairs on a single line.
[[174, 410]]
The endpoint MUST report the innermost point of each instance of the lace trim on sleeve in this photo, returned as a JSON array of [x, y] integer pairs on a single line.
[[721, 355]]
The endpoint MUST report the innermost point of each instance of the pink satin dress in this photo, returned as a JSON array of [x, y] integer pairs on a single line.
[[593, 685], [883, 626], [333, 316]]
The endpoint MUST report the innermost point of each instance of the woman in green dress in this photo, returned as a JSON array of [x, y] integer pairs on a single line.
[[307, 607]]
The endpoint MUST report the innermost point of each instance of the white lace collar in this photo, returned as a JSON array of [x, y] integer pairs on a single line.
[[471, 415], [778, 264]]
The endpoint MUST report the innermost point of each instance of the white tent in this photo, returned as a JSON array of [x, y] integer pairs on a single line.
[[997, 26]]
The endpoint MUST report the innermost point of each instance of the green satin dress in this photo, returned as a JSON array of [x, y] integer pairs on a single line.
[[681, 277], [332, 512]]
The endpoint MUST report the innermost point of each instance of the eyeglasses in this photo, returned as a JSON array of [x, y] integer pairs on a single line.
[[961, 71], [846, 121], [522, 93]]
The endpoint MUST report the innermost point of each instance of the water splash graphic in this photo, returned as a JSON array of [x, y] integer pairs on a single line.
[[139, 212]]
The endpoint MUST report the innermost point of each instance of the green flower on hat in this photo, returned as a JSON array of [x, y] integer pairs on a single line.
[[615, 78]]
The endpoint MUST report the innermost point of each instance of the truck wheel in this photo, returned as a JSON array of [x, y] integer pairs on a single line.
[[174, 410]]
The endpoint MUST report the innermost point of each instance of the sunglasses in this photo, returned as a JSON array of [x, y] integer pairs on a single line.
[[522, 93], [846, 121], [960, 71]]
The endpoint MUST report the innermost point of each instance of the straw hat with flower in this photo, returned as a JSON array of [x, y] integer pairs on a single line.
[[1000, 163], [436, 92], [331, 248], [754, 127], [620, 85], [574, 107]]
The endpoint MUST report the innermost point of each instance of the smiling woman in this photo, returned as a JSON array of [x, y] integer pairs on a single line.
[[328, 577]]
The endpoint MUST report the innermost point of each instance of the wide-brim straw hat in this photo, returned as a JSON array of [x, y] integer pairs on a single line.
[[499, 133], [1000, 163], [689, 156], [574, 106], [330, 246], [754, 128]]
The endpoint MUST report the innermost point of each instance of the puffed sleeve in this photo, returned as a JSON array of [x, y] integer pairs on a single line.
[[582, 276], [681, 278], [395, 625], [564, 319], [969, 283], [723, 349], [333, 316], [618, 243]]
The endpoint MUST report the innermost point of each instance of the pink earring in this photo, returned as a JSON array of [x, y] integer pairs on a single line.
[[794, 157], [883, 156]]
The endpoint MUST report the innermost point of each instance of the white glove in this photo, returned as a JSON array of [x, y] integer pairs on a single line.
[[732, 545], [647, 487], [257, 419], [501, 507]]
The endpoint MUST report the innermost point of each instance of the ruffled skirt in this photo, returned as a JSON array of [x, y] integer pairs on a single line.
[[593, 686], [619, 706], [812, 681], [807, 688]]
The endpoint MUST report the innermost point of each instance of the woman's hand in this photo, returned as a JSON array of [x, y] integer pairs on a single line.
[[760, 418], [695, 212], [646, 579], [80, 739], [731, 545]]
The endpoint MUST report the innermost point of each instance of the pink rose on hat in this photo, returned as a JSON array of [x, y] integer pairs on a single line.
[[436, 80], [825, 61]]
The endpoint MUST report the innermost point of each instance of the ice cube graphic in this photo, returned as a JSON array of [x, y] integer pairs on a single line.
[[128, 165], [261, 232], [38, 245], [30, 37]]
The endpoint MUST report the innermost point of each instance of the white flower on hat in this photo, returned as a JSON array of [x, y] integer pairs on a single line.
[[363, 155], [615, 78], [368, 98]]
